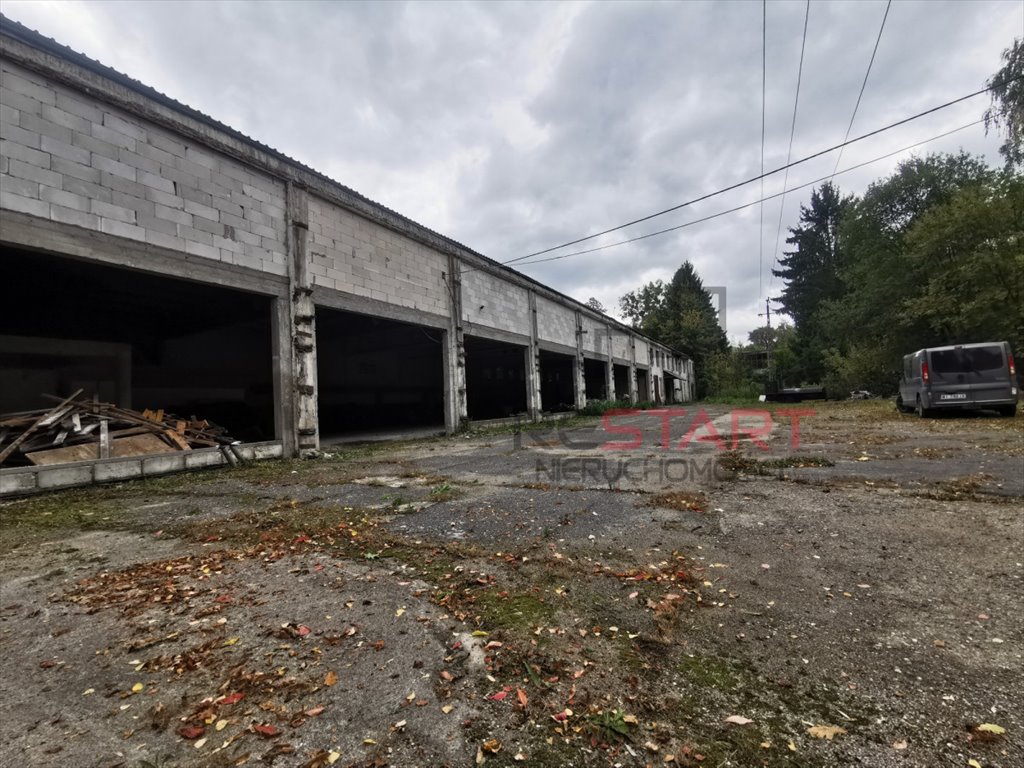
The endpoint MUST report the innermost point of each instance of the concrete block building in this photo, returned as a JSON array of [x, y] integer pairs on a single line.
[[159, 258]]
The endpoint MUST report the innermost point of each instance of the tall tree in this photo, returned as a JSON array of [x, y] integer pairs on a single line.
[[595, 305], [636, 306], [970, 252], [687, 321], [877, 274], [1007, 109], [867, 329], [811, 269]]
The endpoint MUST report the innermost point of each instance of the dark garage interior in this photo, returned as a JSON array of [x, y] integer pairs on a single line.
[[643, 386], [134, 339], [495, 379], [594, 374], [621, 373], [374, 373], [556, 382]]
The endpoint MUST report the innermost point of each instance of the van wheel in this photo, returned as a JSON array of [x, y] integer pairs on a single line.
[[921, 411], [1008, 410]]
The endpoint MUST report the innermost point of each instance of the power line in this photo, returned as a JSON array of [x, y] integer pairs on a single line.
[[754, 202], [789, 153], [751, 180], [764, 83], [864, 84]]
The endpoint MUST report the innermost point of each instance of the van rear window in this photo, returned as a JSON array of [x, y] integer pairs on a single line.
[[967, 360]]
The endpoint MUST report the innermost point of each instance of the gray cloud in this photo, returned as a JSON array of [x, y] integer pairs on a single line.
[[512, 127]]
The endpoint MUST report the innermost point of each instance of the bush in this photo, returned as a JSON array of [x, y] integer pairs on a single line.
[[598, 407], [863, 367]]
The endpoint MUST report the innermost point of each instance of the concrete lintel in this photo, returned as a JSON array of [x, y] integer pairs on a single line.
[[561, 349], [622, 361], [348, 302], [32, 233], [495, 334]]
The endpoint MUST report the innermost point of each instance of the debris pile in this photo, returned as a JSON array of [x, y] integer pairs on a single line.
[[80, 429]]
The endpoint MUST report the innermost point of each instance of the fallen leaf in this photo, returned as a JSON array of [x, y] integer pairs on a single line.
[[221, 725], [199, 744], [333, 757], [499, 696], [479, 633], [232, 698], [491, 746], [899, 745], [992, 728], [191, 732], [738, 720], [447, 708], [792, 746], [267, 731], [331, 678], [400, 611], [369, 742], [825, 731], [973, 763], [314, 711], [231, 641], [521, 695], [137, 688], [303, 630]]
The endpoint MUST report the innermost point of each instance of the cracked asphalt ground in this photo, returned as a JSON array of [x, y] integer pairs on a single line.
[[542, 599]]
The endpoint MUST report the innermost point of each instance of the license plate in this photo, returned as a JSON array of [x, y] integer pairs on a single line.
[[953, 396]]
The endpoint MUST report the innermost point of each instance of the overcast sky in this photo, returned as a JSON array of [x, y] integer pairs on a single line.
[[515, 127]]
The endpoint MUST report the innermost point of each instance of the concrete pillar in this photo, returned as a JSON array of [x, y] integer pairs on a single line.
[[283, 377], [579, 383], [455, 409], [533, 396], [609, 373], [303, 323], [633, 386]]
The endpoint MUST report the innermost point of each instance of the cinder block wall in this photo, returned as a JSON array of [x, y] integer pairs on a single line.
[[595, 336], [620, 345], [495, 303], [556, 323], [71, 159], [355, 255]]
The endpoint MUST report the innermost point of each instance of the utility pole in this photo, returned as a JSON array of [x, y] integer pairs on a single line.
[[767, 314]]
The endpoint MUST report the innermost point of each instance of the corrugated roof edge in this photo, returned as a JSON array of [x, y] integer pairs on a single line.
[[29, 36]]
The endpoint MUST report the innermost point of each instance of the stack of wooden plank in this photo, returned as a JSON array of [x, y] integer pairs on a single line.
[[77, 429]]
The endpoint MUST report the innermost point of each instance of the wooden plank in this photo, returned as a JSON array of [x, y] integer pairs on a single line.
[[177, 440], [104, 439], [139, 445], [39, 423]]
